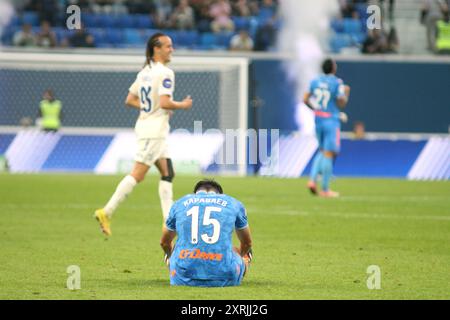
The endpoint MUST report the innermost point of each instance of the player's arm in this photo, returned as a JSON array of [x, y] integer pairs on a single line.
[[133, 101], [307, 102], [342, 100], [166, 102], [166, 241], [245, 239]]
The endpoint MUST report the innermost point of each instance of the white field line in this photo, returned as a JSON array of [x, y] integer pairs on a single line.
[[251, 211], [360, 215]]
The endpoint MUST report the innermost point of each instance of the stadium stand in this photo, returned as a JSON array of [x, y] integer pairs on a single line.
[[124, 30]]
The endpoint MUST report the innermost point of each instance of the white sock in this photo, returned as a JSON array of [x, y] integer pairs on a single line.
[[123, 190], [166, 197]]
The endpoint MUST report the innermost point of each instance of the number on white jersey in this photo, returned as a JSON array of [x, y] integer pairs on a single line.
[[146, 102], [207, 220]]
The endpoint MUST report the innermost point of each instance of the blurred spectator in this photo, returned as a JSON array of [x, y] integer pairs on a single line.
[[443, 34], [265, 37], [25, 122], [46, 9], [390, 9], [109, 7], [80, 39], [24, 37], [376, 42], [348, 9], [84, 5], [46, 37], [163, 11], [432, 12], [50, 112], [220, 11], [241, 42], [359, 130], [393, 41], [140, 7], [203, 18], [183, 16], [267, 12], [241, 8], [266, 33]]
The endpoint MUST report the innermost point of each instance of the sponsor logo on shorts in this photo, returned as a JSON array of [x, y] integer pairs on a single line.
[[197, 254]]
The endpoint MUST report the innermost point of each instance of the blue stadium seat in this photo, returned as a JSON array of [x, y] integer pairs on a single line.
[[241, 23], [361, 8], [352, 26], [125, 21], [224, 38], [143, 21], [172, 34], [208, 40], [105, 21], [132, 36], [99, 36], [15, 22], [60, 33], [264, 15], [8, 35], [187, 38], [114, 36], [30, 18], [359, 37], [339, 41], [89, 20], [337, 25], [147, 33]]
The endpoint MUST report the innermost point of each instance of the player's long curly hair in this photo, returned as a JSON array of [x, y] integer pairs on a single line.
[[153, 42]]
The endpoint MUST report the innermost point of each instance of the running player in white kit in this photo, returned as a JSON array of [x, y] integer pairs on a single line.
[[152, 94]]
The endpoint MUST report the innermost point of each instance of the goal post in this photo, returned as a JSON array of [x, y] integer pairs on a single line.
[[92, 88]]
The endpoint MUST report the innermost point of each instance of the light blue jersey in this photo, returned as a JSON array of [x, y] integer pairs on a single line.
[[325, 90], [205, 223]]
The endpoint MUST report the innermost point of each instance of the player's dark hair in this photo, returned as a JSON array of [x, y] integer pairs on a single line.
[[328, 66], [153, 42], [208, 185]]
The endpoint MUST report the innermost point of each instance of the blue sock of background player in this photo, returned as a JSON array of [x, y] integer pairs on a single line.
[[327, 172], [315, 169]]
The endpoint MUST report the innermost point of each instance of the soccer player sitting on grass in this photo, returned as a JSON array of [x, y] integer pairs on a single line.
[[327, 95], [203, 255]]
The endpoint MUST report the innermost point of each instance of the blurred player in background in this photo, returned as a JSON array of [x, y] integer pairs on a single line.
[[327, 95], [152, 94], [203, 254]]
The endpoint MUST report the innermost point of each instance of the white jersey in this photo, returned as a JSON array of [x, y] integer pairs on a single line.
[[151, 83]]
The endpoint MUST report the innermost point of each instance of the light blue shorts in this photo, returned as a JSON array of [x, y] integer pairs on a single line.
[[237, 264]]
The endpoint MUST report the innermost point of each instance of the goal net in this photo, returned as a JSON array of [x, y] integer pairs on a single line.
[[97, 130]]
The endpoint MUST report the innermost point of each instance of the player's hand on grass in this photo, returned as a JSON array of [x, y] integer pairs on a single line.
[[249, 255], [187, 102], [166, 260]]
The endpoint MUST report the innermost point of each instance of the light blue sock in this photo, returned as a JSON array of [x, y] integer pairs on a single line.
[[315, 169], [327, 172]]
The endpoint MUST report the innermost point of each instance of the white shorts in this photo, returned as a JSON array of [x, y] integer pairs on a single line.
[[151, 150]]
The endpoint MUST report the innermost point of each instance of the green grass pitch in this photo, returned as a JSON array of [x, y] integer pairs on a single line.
[[305, 247]]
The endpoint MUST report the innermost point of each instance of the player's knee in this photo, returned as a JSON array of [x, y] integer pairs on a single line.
[[168, 178], [138, 177], [170, 172]]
